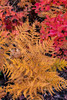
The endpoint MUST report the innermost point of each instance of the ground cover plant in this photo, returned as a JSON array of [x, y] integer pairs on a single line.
[[33, 49]]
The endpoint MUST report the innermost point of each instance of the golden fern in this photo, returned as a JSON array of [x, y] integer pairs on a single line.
[[33, 72]]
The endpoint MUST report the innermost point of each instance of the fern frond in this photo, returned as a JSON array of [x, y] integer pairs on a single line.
[[34, 72], [60, 64]]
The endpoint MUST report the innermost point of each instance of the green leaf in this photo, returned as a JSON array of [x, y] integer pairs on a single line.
[[0, 73]]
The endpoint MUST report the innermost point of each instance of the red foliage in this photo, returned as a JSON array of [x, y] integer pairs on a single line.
[[45, 5], [55, 27], [9, 18]]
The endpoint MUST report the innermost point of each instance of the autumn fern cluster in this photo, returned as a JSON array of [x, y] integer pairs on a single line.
[[28, 51], [27, 67]]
